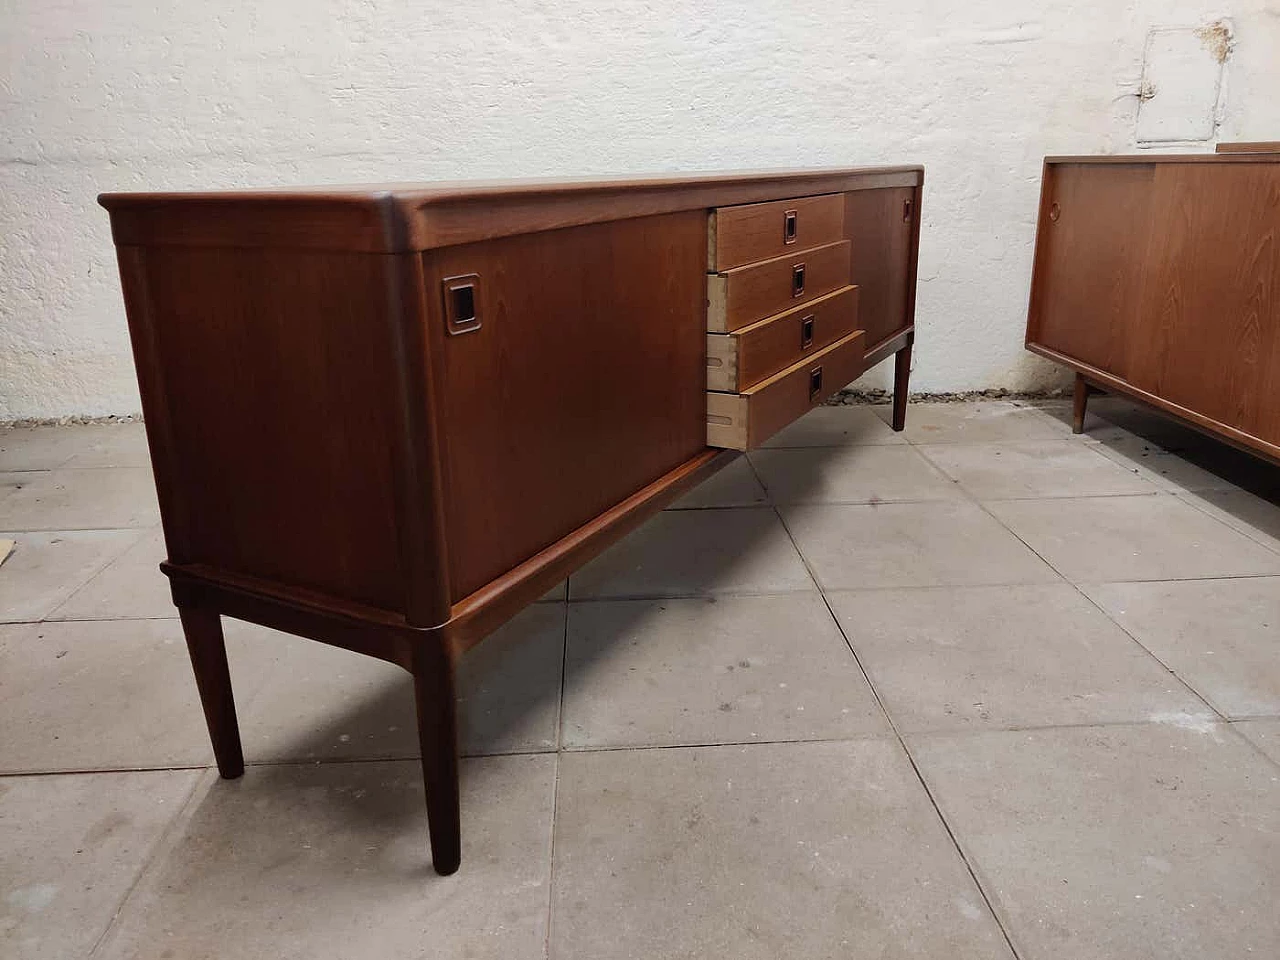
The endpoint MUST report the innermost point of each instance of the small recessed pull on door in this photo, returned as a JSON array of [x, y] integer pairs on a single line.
[[462, 303], [906, 210], [797, 280], [806, 332], [815, 383]]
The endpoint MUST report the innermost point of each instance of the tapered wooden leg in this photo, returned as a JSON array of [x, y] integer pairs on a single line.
[[901, 375], [1079, 402], [433, 686], [203, 629]]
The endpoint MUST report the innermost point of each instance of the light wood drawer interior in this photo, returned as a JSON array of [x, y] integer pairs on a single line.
[[757, 351], [744, 295], [761, 231], [743, 421]]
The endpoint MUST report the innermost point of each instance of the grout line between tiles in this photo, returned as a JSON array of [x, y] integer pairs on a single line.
[[1190, 498], [973, 874], [157, 845], [555, 785], [1076, 587]]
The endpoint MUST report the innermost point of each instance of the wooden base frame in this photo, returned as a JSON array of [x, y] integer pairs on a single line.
[[430, 654], [1099, 381], [901, 383]]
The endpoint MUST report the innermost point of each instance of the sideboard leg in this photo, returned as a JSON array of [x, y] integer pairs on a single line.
[[901, 375], [433, 687], [1079, 402], [203, 630]]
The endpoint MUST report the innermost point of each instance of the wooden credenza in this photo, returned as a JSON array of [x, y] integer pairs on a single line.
[[1159, 278], [388, 418]]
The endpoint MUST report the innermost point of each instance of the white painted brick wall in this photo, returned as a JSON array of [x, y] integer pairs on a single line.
[[171, 94]]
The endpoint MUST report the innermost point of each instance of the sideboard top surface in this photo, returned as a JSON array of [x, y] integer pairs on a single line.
[[399, 218], [1223, 158]]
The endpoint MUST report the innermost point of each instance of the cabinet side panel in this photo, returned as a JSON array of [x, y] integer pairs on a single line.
[[1091, 240], [883, 270], [281, 426], [1210, 315], [584, 381]]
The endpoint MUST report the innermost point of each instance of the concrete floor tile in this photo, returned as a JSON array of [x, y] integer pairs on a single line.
[[836, 427], [1144, 842], [734, 669], [47, 568], [856, 474], [1042, 468], [765, 852], [1170, 472], [910, 545], [1133, 538], [70, 849], [974, 658], [315, 861], [112, 694], [50, 447], [985, 421], [131, 587], [682, 553], [1218, 635], [12, 482], [319, 702], [112, 445], [733, 486], [1263, 734], [83, 500], [1060, 409], [1256, 517]]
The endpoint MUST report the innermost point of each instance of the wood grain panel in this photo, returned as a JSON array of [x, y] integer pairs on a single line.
[[391, 218], [1095, 223], [755, 352], [882, 238], [747, 294], [1269, 146], [1209, 318], [755, 231], [743, 421], [275, 373], [584, 382]]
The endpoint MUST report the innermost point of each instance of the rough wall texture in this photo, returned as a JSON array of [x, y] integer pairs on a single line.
[[98, 95]]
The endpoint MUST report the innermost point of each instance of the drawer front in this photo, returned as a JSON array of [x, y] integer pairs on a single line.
[[755, 352], [762, 231], [747, 294], [743, 421]]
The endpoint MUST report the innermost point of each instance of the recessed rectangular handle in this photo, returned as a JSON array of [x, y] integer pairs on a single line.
[[789, 226], [797, 280], [906, 210], [462, 303], [815, 383], [806, 332]]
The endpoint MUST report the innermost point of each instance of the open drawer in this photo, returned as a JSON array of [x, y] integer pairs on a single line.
[[743, 421]]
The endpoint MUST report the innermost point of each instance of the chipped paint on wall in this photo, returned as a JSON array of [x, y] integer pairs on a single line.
[[1180, 97]]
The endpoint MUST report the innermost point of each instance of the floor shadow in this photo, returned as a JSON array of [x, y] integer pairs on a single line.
[[1162, 435], [511, 678]]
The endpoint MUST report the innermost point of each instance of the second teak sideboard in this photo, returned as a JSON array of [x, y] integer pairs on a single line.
[[387, 418]]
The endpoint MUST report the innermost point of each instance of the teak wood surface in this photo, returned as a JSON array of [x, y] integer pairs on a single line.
[[388, 418], [744, 295], [752, 232], [1159, 278], [752, 353]]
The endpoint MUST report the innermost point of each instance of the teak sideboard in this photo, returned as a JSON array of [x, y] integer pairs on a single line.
[[388, 418], [1158, 278]]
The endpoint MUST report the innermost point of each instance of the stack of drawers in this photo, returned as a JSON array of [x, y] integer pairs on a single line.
[[782, 316]]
